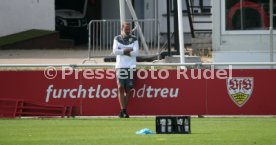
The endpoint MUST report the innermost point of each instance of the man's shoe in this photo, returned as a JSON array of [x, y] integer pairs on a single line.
[[125, 115]]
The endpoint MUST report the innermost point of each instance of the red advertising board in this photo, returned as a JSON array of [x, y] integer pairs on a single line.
[[261, 96], [248, 92]]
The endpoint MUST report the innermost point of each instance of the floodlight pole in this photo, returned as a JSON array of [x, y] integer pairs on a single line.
[[180, 32], [122, 11], [271, 31]]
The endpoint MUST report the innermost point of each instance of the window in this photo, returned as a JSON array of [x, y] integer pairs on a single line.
[[248, 15]]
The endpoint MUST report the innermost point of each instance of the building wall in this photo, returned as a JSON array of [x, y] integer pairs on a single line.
[[162, 14], [243, 46], [216, 27], [21, 15], [139, 8], [111, 10], [149, 9]]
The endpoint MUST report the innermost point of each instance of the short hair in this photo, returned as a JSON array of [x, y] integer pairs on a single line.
[[125, 24]]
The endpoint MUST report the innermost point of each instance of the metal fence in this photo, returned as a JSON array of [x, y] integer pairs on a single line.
[[102, 33]]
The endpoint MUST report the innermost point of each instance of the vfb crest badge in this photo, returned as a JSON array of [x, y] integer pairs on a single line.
[[240, 89]]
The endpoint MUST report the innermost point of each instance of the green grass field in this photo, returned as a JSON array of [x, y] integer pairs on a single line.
[[113, 131]]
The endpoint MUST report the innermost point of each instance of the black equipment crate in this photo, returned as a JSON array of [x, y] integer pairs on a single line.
[[173, 124]]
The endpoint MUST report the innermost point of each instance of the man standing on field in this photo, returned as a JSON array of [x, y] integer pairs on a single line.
[[126, 49]]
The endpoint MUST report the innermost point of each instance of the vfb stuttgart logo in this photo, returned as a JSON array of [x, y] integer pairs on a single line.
[[240, 89]]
